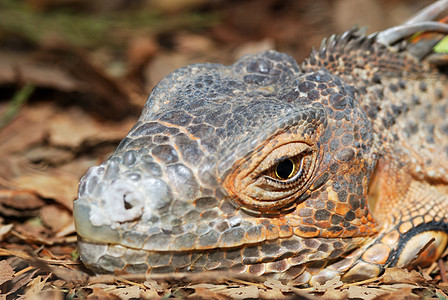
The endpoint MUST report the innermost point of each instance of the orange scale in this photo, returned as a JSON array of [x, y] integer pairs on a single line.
[[324, 224], [342, 208], [285, 231], [377, 254], [299, 232], [359, 213], [405, 227], [362, 229], [391, 238], [417, 221]]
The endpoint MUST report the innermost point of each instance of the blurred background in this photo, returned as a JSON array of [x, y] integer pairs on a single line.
[[63, 47]]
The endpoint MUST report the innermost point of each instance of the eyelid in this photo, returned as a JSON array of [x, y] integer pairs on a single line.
[[275, 162]]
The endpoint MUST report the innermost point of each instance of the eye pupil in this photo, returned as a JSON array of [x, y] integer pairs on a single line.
[[284, 169]]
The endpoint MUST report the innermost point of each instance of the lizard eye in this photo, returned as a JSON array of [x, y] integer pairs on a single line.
[[285, 169], [275, 177], [287, 172]]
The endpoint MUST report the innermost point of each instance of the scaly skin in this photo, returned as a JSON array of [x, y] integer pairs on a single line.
[[335, 167]]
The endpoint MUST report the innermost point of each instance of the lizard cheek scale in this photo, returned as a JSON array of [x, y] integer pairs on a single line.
[[337, 166]]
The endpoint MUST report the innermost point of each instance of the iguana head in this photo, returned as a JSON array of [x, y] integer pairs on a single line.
[[259, 166]]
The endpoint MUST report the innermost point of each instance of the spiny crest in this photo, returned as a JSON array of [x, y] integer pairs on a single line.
[[335, 46]]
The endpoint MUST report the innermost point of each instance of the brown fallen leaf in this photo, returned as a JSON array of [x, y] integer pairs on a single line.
[[156, 286], [398, 275], [70, 130], [19, 281], [32, 232], [102, 292], [243, 292], [254, 47], [60, 186], [50, 265], [55, 217], [162, 65], [17, 136], [273, 294], [335, 282], [127, 292], [53, 294], [6, 272], [149, 292], [335, 294], [365, 293], [20, 200], [194, 44], [4, 229], [401, 294], [206, 293], [276, 284], [35, 286]]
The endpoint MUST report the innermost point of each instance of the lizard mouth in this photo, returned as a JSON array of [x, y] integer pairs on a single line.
[[290, 260]]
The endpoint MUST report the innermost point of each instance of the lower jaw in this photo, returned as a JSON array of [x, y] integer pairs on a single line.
[[289, 268]]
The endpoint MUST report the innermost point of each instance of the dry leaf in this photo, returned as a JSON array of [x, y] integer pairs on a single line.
[[401, 294], [17, 136], [70, 130], [149, 293], [36, 285], [193, 44], [33, 232], [126, 293], [397, 275], [4, 229], [59, 186], [275, 284], [365, 293], [101, 293], [12, 165], [273, 294], [23, 200], [335, 282], [335, 294], [52, 294], [20, 281], [162, 65], [205, 293], [243, 292], [55, 217], [6, 272]]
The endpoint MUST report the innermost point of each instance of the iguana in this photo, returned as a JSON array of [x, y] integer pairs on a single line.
[[334, 167]]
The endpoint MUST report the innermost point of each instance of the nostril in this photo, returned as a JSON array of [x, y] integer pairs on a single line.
[[127, 205]]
